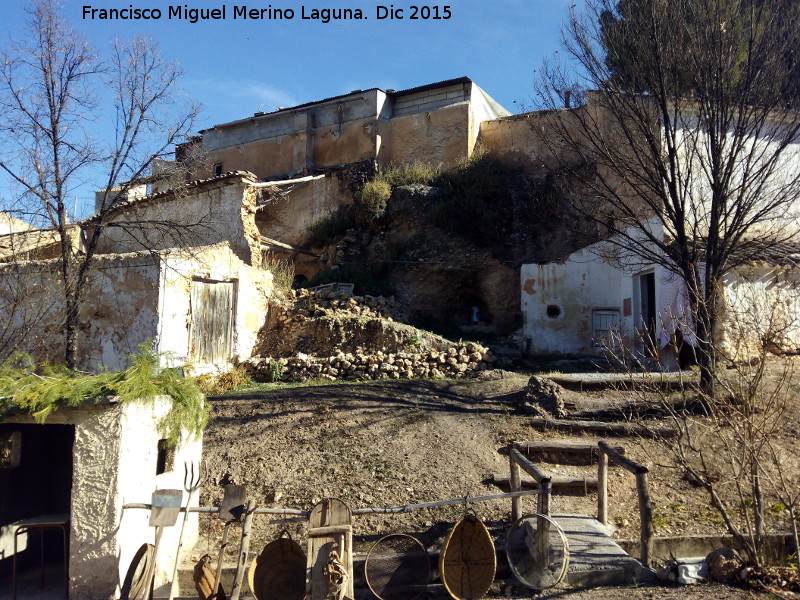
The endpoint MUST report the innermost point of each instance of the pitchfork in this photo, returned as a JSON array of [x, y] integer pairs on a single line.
[[191, 483]]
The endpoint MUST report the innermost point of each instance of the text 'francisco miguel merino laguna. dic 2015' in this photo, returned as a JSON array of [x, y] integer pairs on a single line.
[[241, 12]]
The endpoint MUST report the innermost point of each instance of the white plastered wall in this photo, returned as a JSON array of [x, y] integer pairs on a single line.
[[572, 289], [215, 263], [595, 278], [762, 304], [114, 462]]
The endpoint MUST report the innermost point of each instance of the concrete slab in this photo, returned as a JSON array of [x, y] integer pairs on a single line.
[[595, 558]]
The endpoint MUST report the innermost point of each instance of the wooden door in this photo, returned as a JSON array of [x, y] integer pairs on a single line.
[[211, 333]]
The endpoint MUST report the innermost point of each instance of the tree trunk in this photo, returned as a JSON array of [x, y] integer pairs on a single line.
[[71, 322], [703, 307], [707, 361]]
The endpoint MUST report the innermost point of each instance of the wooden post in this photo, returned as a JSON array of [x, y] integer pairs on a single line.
[[646, 517], [244, 549], [515, 485], [542, 557], [329, 528], [602, 487]]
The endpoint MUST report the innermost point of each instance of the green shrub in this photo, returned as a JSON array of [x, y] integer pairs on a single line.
[[273, 371], [409, 174], [39, 390], [371, 202], [282, 270]]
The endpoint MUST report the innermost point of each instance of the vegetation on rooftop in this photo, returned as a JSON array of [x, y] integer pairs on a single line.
[[41, 389], [482, 200]]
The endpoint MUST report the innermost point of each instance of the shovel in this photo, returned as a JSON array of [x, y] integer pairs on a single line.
[[231, 510], [164, 511]]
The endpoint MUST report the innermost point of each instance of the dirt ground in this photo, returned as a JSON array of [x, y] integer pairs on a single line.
[[390, 443]]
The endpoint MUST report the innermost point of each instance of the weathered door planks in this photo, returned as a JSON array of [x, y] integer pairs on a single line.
[[211, 335]]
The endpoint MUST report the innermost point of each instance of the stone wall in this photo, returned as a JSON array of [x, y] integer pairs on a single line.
[[205, 213], [459, 360], [121, 312]]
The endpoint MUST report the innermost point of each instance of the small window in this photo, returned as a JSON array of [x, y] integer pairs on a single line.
[[217, 169], [10, 449], [553, 311], [605, 326], [165, 462]]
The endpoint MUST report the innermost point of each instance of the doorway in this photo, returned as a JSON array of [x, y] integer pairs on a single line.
[[645, 316], [211, 333], [36, 478]]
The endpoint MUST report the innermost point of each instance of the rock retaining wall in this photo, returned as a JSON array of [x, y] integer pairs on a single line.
[[458, 360]]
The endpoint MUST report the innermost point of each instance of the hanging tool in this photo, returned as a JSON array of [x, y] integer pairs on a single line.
[[164, 511], [191, 483], [244, 549], [231, 510]]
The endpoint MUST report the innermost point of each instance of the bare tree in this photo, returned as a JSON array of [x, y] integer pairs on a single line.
[[738, 445], [49, 93], [689, 137]]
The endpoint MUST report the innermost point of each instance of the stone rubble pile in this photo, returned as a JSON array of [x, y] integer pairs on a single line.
[[458, 360], [303, 304], [329, 334]]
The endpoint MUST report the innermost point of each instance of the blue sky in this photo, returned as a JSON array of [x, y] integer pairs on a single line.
[[236, 67]]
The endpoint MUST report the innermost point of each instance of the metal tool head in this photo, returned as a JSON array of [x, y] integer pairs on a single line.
[[232, 507], [166, 506], [191, 479]]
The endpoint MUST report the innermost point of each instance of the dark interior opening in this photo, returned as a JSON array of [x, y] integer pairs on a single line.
[[647, 295], [40, 484], [165, 460], [553, 311]]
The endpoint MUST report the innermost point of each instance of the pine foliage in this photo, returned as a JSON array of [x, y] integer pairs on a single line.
[[40, 389]]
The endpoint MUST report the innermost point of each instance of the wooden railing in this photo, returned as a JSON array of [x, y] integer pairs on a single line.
[[645, 508], [517, 461]]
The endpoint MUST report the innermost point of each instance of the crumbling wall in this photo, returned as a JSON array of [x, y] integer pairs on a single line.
[[120, 312], [131, 299], [287, 218], [179, 268], [761, 303], [210, 212]]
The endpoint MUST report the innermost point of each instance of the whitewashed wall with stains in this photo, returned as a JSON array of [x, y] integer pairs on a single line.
[[131, 299], [563, 302]]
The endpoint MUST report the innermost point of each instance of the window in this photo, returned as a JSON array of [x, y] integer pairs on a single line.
[[165, 462], [217, 169], [605, 326], [10, 449]]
